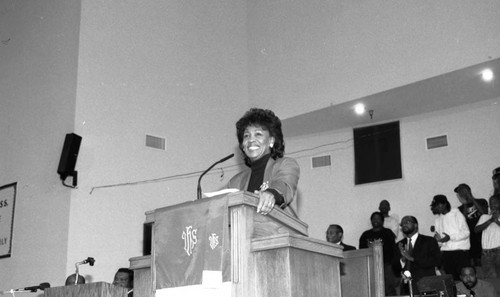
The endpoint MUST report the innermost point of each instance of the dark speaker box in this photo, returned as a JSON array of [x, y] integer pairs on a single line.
[[377, 153], [69, 155]]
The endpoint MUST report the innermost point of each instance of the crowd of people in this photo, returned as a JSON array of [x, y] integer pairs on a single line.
[[466, 239]]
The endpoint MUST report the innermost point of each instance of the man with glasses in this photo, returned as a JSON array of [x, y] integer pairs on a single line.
[[419, 254]]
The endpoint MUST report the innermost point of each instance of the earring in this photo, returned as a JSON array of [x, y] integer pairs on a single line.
[[271, 145]]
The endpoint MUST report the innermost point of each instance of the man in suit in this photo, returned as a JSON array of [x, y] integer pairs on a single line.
[[334, 234], [419, 254]]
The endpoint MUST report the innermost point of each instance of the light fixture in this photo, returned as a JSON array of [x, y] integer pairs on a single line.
[[487, 75], [359, 108]]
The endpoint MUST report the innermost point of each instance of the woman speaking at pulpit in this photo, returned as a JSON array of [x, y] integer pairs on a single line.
[[269, 174]]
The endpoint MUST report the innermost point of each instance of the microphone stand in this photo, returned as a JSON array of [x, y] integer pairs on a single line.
[[410, 284], [204, 172], [77, 272], [407, 278], [89, 260]]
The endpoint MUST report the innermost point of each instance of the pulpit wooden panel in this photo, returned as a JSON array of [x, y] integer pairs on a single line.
[[362, 272], [293, 265], [143, 285], [261, 247], [99, 289]]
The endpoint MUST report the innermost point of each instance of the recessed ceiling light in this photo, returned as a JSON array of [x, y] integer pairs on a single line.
[[487, 74], [359, 108]]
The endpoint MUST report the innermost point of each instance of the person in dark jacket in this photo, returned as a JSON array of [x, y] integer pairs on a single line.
[[417, 253]]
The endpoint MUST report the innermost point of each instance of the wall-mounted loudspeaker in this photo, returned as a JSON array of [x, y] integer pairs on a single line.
[[68, 157], [377, 153]]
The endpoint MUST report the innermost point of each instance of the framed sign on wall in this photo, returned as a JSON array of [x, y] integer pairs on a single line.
[[7, 203]]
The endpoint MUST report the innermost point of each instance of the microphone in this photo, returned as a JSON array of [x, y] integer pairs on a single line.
[[41, 286], [89, 260], [204, 172], [433, 229]]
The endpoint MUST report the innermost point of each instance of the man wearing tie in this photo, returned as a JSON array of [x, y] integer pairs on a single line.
[[419, 254]]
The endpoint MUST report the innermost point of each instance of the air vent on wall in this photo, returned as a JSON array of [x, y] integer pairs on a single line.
[[155, 142], [436, 142], [321, 161]]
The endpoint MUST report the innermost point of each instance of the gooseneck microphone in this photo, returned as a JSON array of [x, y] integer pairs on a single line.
[[204, 172], [89, 261]]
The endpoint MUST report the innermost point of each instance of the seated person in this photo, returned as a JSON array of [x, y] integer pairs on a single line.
[[71, 280], [124, 277], [470, 285], [334, 234]]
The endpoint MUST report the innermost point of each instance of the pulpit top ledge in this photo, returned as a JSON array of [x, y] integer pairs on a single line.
[[237, 199]]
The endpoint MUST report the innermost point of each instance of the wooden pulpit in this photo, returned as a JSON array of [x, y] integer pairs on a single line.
[[271, 255], [99, 289], [362, 272]]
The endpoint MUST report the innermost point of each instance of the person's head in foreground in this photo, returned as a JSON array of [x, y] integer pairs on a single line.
[[71, 280], [124, 277]]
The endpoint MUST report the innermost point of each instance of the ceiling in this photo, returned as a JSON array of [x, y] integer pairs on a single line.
[[448, 90]]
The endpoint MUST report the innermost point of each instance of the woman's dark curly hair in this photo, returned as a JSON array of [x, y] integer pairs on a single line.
[[266, 119]]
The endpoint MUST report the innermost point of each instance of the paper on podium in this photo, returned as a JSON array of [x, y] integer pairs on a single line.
[[221, 192], [212, 279]]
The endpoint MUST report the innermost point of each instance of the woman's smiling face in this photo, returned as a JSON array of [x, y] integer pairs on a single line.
[[257, 142]]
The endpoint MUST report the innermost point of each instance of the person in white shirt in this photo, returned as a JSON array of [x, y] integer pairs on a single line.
[[489, 225], [390, 222], [452, 234]]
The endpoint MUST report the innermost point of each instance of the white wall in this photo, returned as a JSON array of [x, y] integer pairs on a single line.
[[317, 53], [38, 58], [173, 69], [328, 194]]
